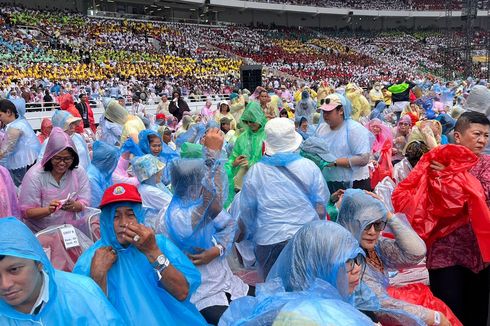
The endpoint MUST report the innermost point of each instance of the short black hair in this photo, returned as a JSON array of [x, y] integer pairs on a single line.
[[153, 137], [468, 118], [6, 105], [2, 257], [49, 166]]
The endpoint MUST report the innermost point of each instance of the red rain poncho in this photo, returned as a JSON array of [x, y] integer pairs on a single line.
[[437, 203]]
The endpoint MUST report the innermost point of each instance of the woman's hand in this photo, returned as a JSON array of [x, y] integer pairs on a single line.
[[72, 206], [53, 206]]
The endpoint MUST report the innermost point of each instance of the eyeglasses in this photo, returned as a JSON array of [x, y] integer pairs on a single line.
[[58, 159], [378, 226], [351, 263], [404, 124]]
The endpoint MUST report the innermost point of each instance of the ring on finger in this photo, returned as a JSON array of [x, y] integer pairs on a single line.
[[136, 238]]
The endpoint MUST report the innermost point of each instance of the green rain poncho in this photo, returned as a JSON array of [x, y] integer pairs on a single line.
[[249, 143]]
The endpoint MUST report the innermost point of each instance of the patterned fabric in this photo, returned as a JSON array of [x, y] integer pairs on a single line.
[[460, 247]]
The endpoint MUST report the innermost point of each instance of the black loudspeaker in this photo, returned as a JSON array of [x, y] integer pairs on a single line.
[[251, 76]]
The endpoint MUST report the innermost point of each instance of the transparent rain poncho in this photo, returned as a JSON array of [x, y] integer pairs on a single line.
[[73, 299], [357, 211], [20, 145], [280, 194], [307, 282], [104, 162], [352, 141], [132, 284], [38, 188], [195, 216], [155, 195], [60, 120]]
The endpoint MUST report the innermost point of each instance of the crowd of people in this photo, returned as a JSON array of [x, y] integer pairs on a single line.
[[349, 188], [57, 46], [291, 204], [419, 5]]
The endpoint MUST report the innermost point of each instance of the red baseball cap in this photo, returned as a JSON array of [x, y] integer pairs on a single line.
[[120, 192], [160, 116]]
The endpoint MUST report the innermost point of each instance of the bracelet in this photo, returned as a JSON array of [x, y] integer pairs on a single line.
[[335, 163]]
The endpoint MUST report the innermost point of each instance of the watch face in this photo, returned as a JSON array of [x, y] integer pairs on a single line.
[[161, 260]]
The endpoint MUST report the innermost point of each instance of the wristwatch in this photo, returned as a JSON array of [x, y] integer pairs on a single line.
[[161, 263], [437, 318]]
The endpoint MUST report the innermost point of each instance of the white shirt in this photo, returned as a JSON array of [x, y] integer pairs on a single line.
[[43, 294]]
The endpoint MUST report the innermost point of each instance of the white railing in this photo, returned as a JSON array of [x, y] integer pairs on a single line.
[[35, 112]]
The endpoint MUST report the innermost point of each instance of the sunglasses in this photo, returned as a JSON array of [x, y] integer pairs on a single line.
[[351, 263], [246, 122], [378, 226]]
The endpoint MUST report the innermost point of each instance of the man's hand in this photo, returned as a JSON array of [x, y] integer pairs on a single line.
[[103, 260], [204, 256], [436, 166], [146, 241], [213, 139]]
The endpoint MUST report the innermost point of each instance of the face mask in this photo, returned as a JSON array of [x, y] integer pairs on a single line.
[[377, 88]]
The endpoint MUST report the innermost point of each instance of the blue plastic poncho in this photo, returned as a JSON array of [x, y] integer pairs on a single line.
[[193, 135], [132, 284], [351, 140], [195, 215], [318, 250], [104, 162], [308, 283], [357, 211], [73, 299], [27, 146], [166, 155]]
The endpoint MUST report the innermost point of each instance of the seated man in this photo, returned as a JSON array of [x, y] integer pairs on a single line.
[[146, 277], [33, 292]]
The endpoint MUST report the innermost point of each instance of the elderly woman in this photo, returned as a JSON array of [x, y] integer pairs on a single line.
[[314, 281], [55, 189], [365, 217]]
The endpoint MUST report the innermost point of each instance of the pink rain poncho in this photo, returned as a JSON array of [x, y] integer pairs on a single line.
[[382, 150], [39, 187], [8, 195]]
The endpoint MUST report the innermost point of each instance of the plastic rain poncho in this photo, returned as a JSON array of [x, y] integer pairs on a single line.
[[20, 146], [132, 284], [195, 221], [73, 299], [357, 211], [307, 284], [60, 120], [166, 156], [305, 107], [351, 140], [280, 194], [104, 162], [193, 217], [9, 205], [155, 195], [249, 143], [39, 187]]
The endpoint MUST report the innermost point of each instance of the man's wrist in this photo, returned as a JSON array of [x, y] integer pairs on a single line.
[[153, 255]]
